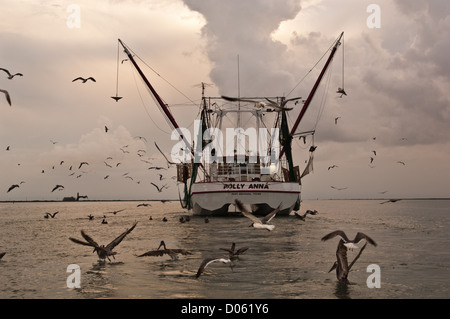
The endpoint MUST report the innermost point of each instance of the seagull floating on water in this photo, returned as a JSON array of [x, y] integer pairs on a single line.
[[103, 252], [262, 223], [1, 255], [206, 262], [351, 244], [173, 253]]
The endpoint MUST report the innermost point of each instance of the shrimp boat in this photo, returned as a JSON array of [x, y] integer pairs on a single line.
[[261, 173]]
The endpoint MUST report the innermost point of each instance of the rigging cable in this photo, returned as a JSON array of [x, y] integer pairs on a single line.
[[144, 106], [117, 74], [301, 80]]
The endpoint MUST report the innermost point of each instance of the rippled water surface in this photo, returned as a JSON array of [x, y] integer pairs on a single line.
[[289, 262]]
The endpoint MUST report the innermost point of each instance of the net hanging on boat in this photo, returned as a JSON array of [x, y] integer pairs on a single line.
[[309, 167]]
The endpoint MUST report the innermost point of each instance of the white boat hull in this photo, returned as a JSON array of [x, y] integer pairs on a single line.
[[217, 198]]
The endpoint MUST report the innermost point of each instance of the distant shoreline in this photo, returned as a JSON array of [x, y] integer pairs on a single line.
[[172, 200]]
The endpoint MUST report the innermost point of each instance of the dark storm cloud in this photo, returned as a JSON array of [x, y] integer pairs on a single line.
[[244, 28]]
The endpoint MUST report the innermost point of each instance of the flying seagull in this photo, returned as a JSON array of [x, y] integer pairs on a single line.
[[205, 263], [341, 91], [57, 187], [391, 201], [8, 97], [115, 211], [83, 79], [235, 253], [302, 217], [81, 164], [168, 162], [351, 244], [258, 223], [103, 252], [400, 162], [12, 187], [51, 215], [173, 253], [11, 76], [338, 188], [117, 98], [341, 264], [159, 188]]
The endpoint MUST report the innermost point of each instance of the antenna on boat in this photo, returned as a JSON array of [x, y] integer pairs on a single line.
[[117, 97], [239, 94]]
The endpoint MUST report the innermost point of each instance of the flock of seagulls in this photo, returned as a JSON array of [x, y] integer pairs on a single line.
[[84, 167], [105, 252], [341, 264], [371, 160]]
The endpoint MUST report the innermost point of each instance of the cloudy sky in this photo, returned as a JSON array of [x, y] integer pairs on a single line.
[[394, 59]]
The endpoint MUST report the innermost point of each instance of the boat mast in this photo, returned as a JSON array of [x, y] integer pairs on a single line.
[[311, 94], [162, 105]]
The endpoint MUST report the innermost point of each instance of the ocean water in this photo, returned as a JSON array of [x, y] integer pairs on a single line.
[[290, 262]]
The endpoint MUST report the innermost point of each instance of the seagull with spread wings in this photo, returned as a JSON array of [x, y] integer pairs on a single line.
[[84, 80], [57, 187], [262, 223], [303, 217], [12, 187], [351, 244], [232, 252], [11, 76], [173, 253], [207, 261], [102, 251], [160, 189]]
